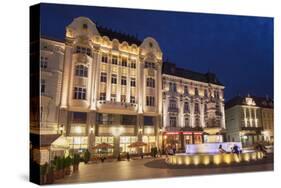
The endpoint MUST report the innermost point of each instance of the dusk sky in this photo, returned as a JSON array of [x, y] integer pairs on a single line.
[[239, 49]]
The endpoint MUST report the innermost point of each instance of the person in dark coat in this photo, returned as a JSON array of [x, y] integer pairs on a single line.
[[128, 156]]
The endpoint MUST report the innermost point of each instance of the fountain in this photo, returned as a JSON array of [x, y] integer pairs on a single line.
[[209, 154]]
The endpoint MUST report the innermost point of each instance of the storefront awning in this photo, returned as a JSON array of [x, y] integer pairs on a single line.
[[44, 140]]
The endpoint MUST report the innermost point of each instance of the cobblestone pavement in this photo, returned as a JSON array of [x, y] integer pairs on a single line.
[[155, 168]]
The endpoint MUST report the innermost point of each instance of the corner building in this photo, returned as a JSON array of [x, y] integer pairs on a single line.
[[193, 107], [111, 91], [100, 86]]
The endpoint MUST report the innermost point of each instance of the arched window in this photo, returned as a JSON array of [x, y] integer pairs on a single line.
[[81, 70]]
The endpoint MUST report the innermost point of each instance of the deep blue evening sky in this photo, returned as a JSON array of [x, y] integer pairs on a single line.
[[238, 49]]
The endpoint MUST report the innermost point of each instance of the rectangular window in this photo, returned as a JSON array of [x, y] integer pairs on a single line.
[[123, 80], [79, 93], [196, 92], [186, 107], [124, 62], [186, 90], [102, 96], [79, 117], [103, 77], [114, 79], [150, 82], [172, 104], [81, 70], [43, 86], [148, 120], [133, 64], [150, 101], [132, 99], [113, 98], [186, 122], [173, 87], [83, 50], [149, 65], [123, 98], [173, 121], [133, 82], [43, 62], [114, 60], [104, 58], [196, 108]]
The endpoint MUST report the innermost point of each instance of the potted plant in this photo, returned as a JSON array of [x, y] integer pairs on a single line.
[[43, 173], [76, 161], [58, 163], [87, 156], [67, 165]]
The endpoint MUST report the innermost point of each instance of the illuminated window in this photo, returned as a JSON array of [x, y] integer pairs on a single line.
[[150, 101], [83, 50], [103, 77], [114, 60], [123, 80], [43, 62], [133, 64], [104, 58], [102, 96], [81, 70], [173, 121], [43, 86], [133, 82], [124, 62], [132, 99], [123, 98], [150, 82], [114, 79], [79, 93]]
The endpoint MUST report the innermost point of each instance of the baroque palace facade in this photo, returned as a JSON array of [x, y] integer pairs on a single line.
[[100, 86]]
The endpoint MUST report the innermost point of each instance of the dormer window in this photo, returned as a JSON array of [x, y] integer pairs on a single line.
[[85, 26]]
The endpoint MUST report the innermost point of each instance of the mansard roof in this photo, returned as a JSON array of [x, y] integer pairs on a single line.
[[263, 102], [172, 69], [121, 37]]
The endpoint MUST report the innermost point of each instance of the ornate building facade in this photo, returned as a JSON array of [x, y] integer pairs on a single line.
[[111, 88], [100, 86], [193, 107], [249, 120]]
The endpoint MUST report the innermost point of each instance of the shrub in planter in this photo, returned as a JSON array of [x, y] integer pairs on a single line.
[[67, 165], [76, 161], [87, 156], [58, 163]]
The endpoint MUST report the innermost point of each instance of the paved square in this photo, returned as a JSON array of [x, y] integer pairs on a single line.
[[155, 168]]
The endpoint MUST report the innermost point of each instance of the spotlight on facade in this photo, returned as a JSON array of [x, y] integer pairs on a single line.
[[117, 131]]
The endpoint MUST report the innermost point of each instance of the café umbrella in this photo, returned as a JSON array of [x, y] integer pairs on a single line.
[[137, 144]]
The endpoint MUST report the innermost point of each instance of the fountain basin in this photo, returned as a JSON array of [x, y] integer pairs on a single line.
[[213, 158]]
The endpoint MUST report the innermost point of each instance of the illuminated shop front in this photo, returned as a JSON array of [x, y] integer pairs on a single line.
[[179, 139]]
